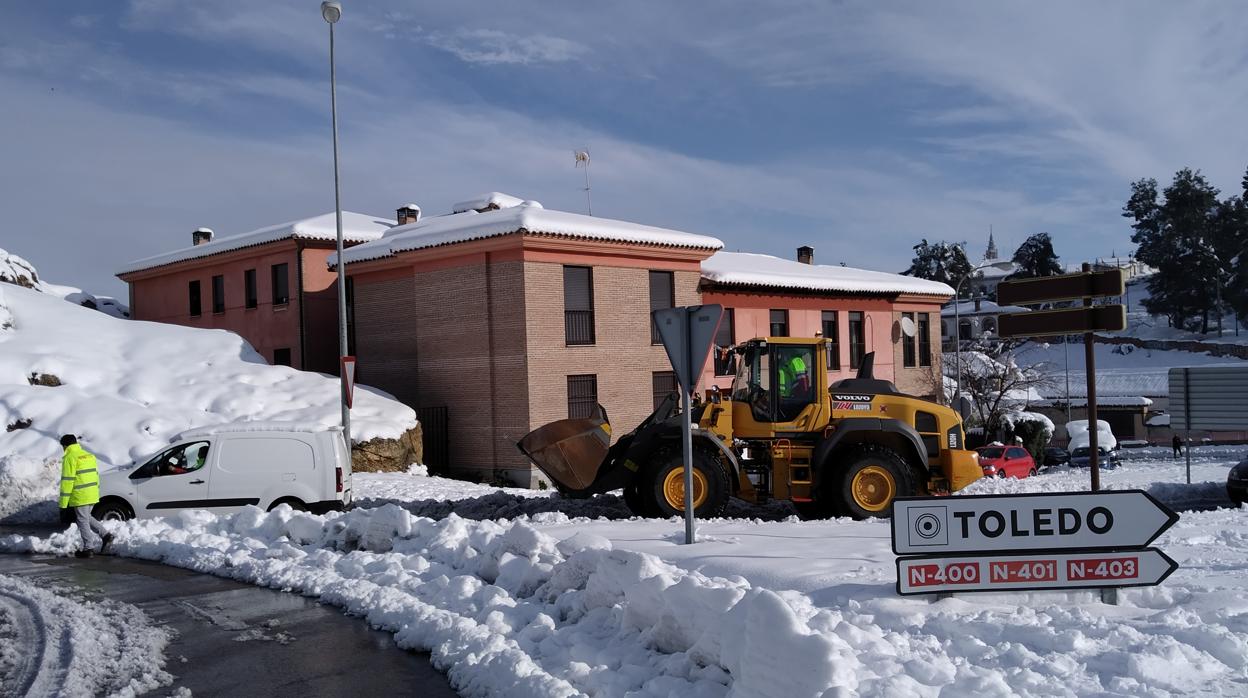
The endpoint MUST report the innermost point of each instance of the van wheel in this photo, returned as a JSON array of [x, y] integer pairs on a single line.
[[292, 502], [112, 510], [662, 485], [872, 478]]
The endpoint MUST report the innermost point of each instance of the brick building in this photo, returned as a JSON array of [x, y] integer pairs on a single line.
[[897, 317], [510, 316], [272, 286]]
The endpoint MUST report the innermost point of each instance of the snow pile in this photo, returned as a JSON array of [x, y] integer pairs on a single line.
[[17, 271], [356, 227], [53, 645], [529, 217], [105, 304], [747, 269], [1013, 418], [1077, 429], [485, 202], [127, 387]]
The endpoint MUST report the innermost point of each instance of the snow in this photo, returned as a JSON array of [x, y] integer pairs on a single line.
[[257, 426], [1013, 418], [128, 387], [986, 307], [749, 269], [53, 643], [1101, 401], [485, 201], [527, 216], [16, 270], [356, 227], [1078, 429], [1159, 420], [546, 604]]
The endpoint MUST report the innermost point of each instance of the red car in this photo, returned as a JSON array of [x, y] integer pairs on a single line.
[[1006, 461]]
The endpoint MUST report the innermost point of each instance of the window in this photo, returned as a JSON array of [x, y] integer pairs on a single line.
[[779, 323], [925, 339], [578, 305], [351, 317], [794, 379], [250, 297], [179, 460], [908, 357], [1016, 453], [964, 330], [193, 292], [218, 294], [281, 356], [725, 360], [662, 295], [281, 284], [857, 338], [832, 331], [990, 325], [582, 396], [663, 384]]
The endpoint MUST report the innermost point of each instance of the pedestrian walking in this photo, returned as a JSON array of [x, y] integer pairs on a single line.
[[80, 490], [1177, 444]]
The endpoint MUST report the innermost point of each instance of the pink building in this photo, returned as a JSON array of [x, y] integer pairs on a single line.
[[897, 317], [272, 286]]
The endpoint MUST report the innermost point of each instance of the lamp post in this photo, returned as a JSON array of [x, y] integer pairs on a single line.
[[957, 318], [332, 12]]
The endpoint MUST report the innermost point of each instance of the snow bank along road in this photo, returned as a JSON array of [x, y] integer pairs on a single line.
[[202, 634], [547, 605]]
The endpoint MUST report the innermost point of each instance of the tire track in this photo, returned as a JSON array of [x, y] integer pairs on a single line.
[[39, 671]]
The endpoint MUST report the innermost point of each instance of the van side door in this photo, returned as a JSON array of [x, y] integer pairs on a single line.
[[259, 469], [177, 478]]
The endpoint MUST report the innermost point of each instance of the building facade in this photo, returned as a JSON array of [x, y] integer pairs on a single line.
[[272, 286]]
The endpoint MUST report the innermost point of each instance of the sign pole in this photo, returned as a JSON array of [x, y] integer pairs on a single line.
[[686, 426], [1089, 349], [1187, 420]]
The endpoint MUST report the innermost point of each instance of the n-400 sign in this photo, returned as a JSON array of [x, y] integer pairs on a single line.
[[1077, 520], [926, 575]]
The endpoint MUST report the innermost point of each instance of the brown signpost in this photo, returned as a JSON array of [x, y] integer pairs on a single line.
[[1086, 320]]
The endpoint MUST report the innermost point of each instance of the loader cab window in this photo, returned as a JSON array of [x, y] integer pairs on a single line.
[[795, 379], [752, 386]]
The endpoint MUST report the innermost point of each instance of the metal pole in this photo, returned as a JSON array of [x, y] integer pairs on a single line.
[[1187, 421], [1066, 344], [342, 265], [686, 430], [957, 337], [1094, 460]]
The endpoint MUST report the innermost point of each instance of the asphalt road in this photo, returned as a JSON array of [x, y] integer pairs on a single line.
[[239, 640]]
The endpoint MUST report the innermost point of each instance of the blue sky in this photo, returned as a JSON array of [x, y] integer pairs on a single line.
[[855, 127]]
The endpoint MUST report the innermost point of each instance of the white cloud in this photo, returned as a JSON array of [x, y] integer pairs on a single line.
[[490, 47]]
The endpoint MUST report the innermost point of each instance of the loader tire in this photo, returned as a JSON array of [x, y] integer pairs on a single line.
[[871, 478], [662, 485]]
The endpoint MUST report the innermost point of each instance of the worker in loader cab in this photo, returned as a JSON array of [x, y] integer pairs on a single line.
[[794, 378]]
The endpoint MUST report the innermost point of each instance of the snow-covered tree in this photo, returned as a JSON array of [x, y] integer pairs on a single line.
[[941, 261], [1035, 257], [995, 382]]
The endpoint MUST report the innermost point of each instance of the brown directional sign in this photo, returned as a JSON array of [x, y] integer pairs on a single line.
[[1067, 287], [1042, 323]]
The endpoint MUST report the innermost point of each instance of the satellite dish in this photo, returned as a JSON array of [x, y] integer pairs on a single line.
[[907, 327]]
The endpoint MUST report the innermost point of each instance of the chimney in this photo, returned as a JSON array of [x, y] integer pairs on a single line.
[[407, 214], [806, 255], [977, 302], [201, 236]]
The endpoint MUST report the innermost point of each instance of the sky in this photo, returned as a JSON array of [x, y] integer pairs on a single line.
[[858, 128]]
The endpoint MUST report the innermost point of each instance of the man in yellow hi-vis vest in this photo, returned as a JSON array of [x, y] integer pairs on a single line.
[[80, 490]]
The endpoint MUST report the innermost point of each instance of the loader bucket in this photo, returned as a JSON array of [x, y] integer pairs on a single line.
[[569, 451]]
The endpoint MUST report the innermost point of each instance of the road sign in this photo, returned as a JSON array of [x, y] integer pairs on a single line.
[[1067, 287], [986, 523], [348, 378], [1033, 571], [1043, 323], [687, 334], [1209, 398]]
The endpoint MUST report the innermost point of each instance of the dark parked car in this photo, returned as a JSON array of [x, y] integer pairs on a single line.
[[1237, 483], [1082, 457], [1054, 455]]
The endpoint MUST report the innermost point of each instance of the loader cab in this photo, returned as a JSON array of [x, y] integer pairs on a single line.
[[778, 387]]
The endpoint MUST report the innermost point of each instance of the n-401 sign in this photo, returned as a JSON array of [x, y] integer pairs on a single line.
[[986, 523]]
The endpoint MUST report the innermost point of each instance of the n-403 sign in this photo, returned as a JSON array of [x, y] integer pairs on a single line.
[[1032, 570], [988, 523]]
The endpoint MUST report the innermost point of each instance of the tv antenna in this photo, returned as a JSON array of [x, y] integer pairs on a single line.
[[582, 159]]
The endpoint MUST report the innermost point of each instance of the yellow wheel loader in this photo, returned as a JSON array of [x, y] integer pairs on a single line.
[[846, 449]]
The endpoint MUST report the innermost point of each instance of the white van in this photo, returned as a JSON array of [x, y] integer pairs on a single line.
[[227, 467]]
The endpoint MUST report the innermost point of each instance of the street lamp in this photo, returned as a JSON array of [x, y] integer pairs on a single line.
[[957, 317], [332, 12]]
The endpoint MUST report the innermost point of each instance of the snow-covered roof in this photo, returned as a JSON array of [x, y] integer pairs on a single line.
[[356, 227], [760, 270], [986, 307], [255, 427], [991, 272], [1101, 401], [491, 200], [1111, 383], [529, 217]]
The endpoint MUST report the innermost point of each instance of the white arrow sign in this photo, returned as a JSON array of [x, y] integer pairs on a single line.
[[1073, 520], [1035, 571]]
